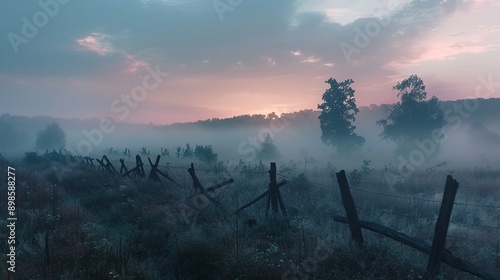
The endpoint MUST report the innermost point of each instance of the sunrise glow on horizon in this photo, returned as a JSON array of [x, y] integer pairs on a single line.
[[192, 60]]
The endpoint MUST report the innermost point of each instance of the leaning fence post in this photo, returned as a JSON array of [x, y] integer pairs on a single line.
[[109, 165], [139, 164], [350, 209], [123, 168], [153, 175], [441, 229]]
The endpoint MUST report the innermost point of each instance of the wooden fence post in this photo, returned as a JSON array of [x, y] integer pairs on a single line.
[[140, 166], [123, 168], [101, 164], [106, 166], [109, 165], [441, 228], [198, 187], [153, 175], [90, 162], [420, 245], [138, 170], [350, 209], [273, 186], [274, 197], [273, 190]]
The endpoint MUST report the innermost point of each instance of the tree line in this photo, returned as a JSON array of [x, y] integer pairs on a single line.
[[414, 117]]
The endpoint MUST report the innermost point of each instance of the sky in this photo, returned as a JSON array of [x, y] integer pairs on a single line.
[[166, 61]]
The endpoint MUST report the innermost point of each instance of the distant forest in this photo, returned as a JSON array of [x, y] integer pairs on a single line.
[[20, 131]]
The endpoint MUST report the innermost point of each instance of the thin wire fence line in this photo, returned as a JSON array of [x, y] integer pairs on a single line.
[[477, 241], [476, 226], [168, 166], [423, 200], [382, 212], [373, 210], [477, 205], [329, 186], [353, 188], [371, 192], [403, 197], [361, 209]]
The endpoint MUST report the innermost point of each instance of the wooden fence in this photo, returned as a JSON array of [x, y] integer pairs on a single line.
[[436, 251]]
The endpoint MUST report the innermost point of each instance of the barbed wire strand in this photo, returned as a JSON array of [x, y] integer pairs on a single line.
[[327, 185]]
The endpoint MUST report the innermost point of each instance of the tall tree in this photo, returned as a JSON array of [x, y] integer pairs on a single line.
[[414, 118], [51, 137], [338, 112]]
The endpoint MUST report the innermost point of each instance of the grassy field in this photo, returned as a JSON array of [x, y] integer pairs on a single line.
[[79, 223]]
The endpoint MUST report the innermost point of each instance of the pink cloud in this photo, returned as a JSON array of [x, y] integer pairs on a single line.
[[100, 44], [311, 59], [446, 44], [96, 42], [479, 4], [443, 51], [132, 64]]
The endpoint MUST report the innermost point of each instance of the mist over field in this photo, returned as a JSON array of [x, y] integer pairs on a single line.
[[171, 230], [297, 136]]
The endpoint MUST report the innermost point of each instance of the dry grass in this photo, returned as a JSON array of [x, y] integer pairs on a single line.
[[106, 223]]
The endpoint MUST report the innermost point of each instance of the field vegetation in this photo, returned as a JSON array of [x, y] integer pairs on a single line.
[[81, 223]]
